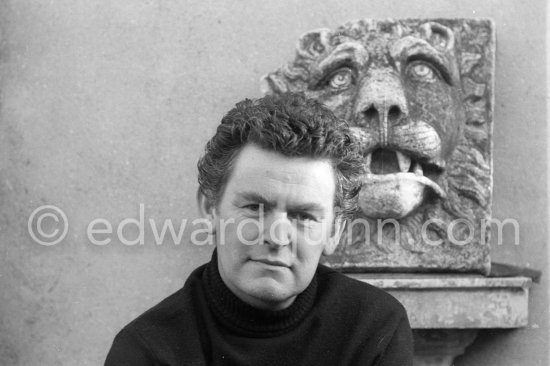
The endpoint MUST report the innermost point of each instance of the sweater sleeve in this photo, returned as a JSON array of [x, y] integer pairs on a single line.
[[128, 349], [400, 350]]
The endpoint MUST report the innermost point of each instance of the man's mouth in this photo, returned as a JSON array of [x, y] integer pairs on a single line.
[[395, 183], [272, 262]]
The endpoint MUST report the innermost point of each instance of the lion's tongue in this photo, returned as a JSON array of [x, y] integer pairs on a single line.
[[391, 195], [394, 195]]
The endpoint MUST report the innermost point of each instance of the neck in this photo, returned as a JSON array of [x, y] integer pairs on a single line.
[[251, 318]]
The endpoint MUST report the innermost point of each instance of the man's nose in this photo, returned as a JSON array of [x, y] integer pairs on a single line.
[[279, 230], [381, 103]]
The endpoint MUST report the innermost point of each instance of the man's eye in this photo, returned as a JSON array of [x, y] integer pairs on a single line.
[[252, 207], [303, 216], [341, 79]]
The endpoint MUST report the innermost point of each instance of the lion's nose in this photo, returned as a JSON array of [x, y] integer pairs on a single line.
[[380, 112], [381, 103]]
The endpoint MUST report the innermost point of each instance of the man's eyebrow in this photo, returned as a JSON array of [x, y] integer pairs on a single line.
[[307, 206], [255, 197]]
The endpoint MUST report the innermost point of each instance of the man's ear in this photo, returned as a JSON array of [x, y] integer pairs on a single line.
[[334, 239], [207, 209]]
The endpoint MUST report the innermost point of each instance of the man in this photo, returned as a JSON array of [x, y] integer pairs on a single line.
[[277, 181]]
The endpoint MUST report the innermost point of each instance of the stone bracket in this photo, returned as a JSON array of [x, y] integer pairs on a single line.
[[441, 346], [457, 301], [447, 310]]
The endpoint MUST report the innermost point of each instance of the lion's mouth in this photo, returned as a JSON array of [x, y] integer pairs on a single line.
[[383, 164], [396, 183]]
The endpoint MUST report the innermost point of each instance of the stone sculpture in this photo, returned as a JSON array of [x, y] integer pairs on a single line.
[[419, 95]]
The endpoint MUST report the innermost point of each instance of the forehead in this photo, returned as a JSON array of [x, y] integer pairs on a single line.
[[280, 177]]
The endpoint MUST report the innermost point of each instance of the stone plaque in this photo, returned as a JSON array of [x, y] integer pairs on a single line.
[[419, 95]]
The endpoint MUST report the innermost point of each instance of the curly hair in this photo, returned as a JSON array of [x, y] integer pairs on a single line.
[[292, 125]]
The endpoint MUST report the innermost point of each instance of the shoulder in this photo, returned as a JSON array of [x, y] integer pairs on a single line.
[[360, 296], [171, 309], [367, 317], [140, 342], [152, 334]]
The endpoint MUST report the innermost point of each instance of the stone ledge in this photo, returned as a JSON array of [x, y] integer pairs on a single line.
[[457, 301]]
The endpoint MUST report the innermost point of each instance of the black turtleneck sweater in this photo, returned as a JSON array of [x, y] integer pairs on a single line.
[[335, 321]]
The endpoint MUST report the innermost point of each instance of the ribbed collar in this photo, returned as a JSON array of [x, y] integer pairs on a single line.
[[247, 320]]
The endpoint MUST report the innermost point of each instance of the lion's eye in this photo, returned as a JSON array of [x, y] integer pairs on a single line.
[[422, 72], [341, 79]]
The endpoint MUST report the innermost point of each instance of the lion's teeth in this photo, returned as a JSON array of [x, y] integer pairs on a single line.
[[417, 168], [368, 160], [404, 161], [440, 163]]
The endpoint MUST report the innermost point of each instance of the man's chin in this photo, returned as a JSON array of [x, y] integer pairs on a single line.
[[269, 293]]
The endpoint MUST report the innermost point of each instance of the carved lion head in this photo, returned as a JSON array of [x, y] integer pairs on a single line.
[[418, 95]]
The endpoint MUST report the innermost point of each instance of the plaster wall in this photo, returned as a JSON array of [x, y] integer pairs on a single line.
[[107, 105]]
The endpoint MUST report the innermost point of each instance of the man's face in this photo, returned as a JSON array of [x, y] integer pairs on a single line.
[[272, 223]]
